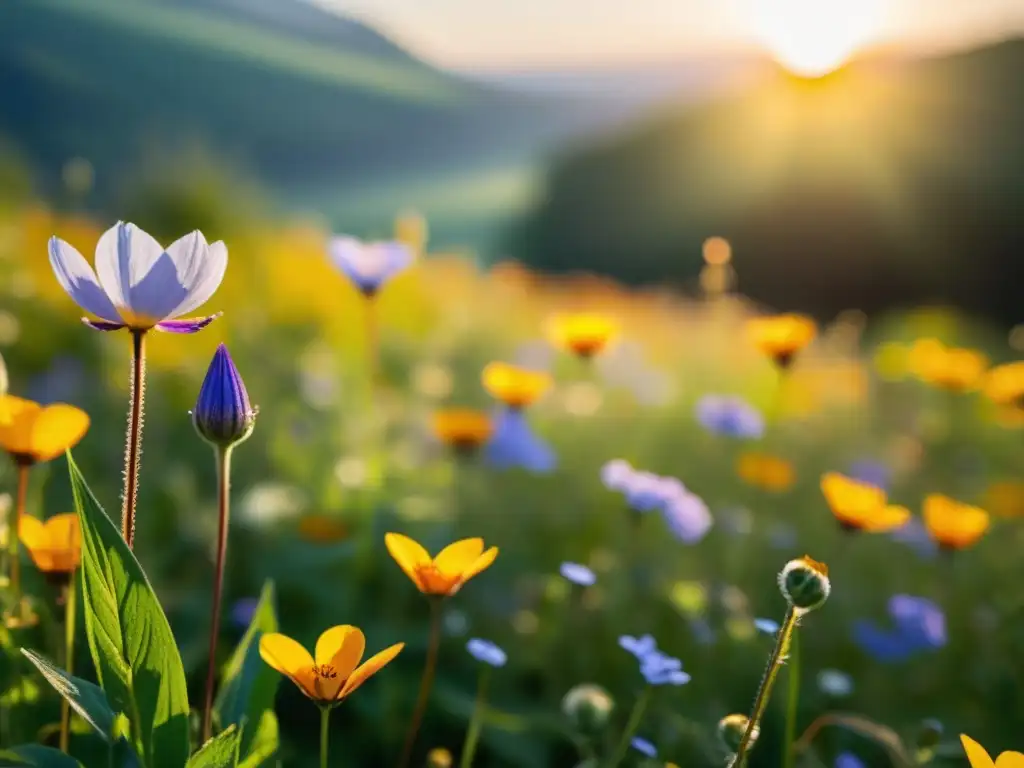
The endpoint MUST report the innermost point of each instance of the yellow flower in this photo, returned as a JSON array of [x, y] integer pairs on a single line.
[[781, 337], [1005, 499], [334, 672], [979, 758], [767, 472], [584, 334], [861, 507], [952, 524], [515, 387], [32, 433], [56, 545], [950, 368], [1004, 385], [463, 429], [445, 574]]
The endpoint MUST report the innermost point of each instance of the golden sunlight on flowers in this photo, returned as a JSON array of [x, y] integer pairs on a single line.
[[463, 429], [584, 334], [445, 574], [765, 471], [1005, 499], [953, 524], [1004, 385], [951, 368], [514, 386], [56, 545], [32, 433], [333, 672], [979, 757], [781, 337], [859, 506]]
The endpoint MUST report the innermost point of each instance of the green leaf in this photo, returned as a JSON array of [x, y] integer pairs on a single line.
[[131, 644], [219, 752], [264, 743], [249, 685], [36, 756], [86, 699]]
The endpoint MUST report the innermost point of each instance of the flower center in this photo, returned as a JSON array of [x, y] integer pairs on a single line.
[[324, 672], [434, 581]]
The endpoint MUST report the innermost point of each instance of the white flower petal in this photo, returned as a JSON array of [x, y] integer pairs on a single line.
[[77, 278], [124, 256], [202, 277], [166, 285]]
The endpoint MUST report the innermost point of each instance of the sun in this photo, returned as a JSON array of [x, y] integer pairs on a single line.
[[814, 37]]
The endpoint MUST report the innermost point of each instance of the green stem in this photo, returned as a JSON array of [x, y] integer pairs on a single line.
[[764, 693], [223, 457], [793, 699], [69, 660], [426, 682], [631, 726], [475, 723], [325, 715], [133, 447]]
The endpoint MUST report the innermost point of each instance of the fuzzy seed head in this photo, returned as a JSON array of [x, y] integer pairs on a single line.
[[805, 584]]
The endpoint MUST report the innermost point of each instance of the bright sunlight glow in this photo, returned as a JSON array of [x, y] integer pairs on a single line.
[[814, 37]]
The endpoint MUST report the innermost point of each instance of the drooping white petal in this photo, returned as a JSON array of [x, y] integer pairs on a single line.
[[77, 278], [202, 277], [124, 256]]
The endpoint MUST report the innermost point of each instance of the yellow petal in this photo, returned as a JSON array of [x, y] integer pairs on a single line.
[[338, 652], [455, 559], [480, 564], [33, 535], [885, 519], [976, 753], [16, 427], [371, 667], [290, 659], [57, 428], [63, 531], [1010, 760], [408, 554]]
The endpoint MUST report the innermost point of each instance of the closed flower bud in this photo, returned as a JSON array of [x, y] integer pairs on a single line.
[[804, 583], [588, 706], [731, 729], [223, 415]]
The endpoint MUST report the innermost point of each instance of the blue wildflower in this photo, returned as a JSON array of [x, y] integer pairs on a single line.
[[223, 415], [916, 536], [638, 646], [616, 475], [848, 760], [644, 747], [515, 444], [578, 574], [659, 668], [487, 652], [768, 626], [687, 516], [918, 625], [730, 416], [643, 491], [369, 265]]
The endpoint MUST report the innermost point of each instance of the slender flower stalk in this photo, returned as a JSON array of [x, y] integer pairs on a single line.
[[69, 660], [426, 682], [223, 496], [133, 441], [325, 722], [476, 721], [634, 722], [792, 703]]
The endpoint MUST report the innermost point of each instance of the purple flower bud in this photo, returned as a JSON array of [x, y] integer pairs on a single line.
[[223, 415]]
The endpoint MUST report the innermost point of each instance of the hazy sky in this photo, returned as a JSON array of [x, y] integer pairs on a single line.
[[528, 33]]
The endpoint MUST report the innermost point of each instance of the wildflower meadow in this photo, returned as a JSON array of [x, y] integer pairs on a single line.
[[322, 502]]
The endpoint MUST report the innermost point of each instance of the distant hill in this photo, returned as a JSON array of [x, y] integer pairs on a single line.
[[887, 183]]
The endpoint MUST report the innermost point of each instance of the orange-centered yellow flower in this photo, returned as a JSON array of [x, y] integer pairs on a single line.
[[767, 472], [1004, 385], [515, 387], [32, 433], [56, 545], [952, 524], [781, 337], [463, 429], [950, 368], [445, 574], [861, 507], [585, 334], [979, 758], [334, 671]]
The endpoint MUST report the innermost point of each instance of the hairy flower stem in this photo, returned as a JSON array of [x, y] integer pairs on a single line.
[[325, 721], [634, 722], [223, 457], [793, 700], [19, 512], [133, 442], [426, 683], [475, 722], [69, 660], [764, 693]]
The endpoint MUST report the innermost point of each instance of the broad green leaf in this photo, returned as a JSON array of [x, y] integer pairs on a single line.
[[219, 752], [264, 742], [36, 756], [249, 685], [131, 644], [86, 699]]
